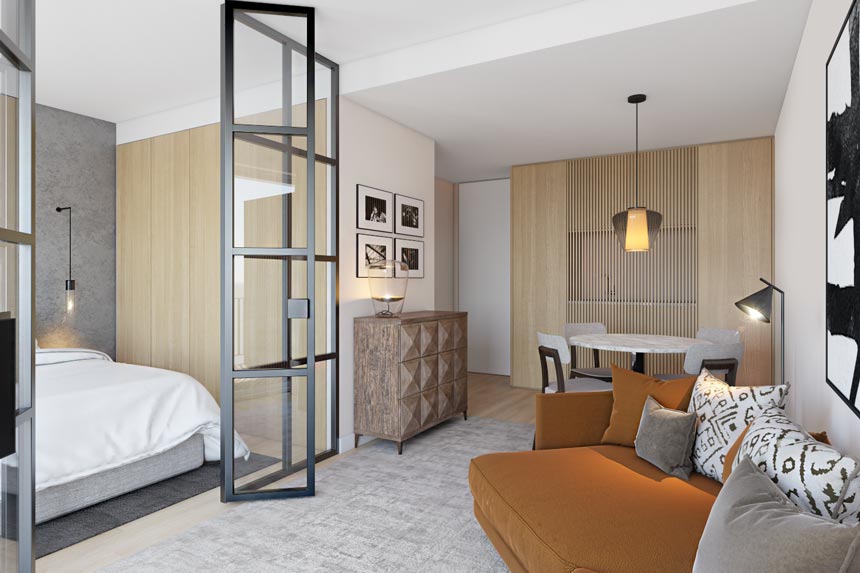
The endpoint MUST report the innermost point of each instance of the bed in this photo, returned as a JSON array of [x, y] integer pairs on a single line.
[[104, 428]]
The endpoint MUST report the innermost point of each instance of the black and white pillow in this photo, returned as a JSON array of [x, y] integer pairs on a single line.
[[722, 413], [813, 475]]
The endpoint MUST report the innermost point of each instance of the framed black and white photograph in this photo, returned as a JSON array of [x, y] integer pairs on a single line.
[[843, 210], [371, 249], [409, 213], [411, 253], [375, 209]]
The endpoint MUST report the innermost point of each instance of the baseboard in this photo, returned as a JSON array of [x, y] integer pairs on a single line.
[[346, 443]]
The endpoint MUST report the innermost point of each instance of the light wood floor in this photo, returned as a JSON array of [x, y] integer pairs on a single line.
[[490, 396]]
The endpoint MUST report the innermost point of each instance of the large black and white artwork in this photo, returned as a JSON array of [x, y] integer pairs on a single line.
[[843, 210]]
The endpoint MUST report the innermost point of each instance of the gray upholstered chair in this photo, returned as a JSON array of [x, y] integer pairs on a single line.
[[553, 349], [719, 335], [719, 359], [579, 328]]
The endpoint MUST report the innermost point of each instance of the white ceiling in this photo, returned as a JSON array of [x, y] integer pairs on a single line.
[[122, 59], [711, 77]]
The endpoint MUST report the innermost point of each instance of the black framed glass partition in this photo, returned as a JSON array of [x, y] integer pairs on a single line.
[[17, 300], [279, 246]]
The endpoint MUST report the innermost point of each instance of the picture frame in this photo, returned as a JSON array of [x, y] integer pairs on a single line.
[[412, 253], [370, 249], [408, 216], [842, 208], [374, 209]]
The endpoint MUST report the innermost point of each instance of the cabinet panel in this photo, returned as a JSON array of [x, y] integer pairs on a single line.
[[410, 414], [461, 395], [410, 341], [461, 359], [429, 372], [410, 377], [446, 334], [446, 400], [446, 367], [461, 333], [429, 338], [429, 407], [133, 253], [170, 251]]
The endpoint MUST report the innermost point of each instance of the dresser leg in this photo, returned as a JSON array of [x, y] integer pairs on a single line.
[[465, 415], [399, 448], [357, 436]]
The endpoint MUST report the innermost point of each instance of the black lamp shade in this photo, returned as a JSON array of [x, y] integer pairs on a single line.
[[758, 305]]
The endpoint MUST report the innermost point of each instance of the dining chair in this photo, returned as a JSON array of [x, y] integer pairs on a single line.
[[577, 329], [553, 348], [719, 335], [719, 359]]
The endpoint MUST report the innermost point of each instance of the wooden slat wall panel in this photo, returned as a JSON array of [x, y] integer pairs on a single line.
[[170, 251], [133, 253], [539, 196], [652, 292], [736, 244], [205, 253]]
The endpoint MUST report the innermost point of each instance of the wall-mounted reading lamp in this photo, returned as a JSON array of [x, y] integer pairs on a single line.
[[70, 283]]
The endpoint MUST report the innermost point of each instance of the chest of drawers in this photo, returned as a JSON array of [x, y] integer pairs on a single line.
[[410, 373]]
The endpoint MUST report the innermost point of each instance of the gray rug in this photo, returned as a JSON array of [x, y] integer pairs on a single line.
[[75, 527], [374, 511]]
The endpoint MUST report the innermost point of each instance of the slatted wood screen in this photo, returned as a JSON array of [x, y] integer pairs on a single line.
[[650, 293]]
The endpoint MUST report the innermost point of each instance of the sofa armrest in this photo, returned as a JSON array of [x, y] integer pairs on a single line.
[[571, 420]]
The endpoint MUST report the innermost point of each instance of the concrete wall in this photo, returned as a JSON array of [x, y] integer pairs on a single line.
[[379, 152], [75, 166], [799, 169], [484, 275]]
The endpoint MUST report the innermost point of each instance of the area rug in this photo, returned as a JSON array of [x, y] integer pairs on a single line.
[[75, 527], [374, 511]]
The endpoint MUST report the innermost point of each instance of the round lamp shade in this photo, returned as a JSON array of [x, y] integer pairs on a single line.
[[388, 281], [637, 228]]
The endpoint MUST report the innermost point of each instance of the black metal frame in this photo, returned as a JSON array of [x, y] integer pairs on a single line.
[[545, 352], [241, 11], [20, 526], [848, 400], [358, 208], [397, 216]]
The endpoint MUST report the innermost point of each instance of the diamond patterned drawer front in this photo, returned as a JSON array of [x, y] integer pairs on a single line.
[[410, 373]]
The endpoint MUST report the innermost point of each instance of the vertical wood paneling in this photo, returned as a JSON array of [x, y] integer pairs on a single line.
[[133, 253], [204, 250], [653, 292], [170, 251], [539, 195], [736, 244]]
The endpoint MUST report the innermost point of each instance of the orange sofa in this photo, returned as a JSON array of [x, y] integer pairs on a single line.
[[574, 505]]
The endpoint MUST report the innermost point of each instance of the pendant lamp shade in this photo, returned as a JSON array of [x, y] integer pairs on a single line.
[[637, 227]]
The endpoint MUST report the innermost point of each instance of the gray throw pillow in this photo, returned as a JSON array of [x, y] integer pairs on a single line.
[[754, 527], [665, 438]]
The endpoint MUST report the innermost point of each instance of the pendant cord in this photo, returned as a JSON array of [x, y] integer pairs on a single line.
[[70, 243], [636, 197]]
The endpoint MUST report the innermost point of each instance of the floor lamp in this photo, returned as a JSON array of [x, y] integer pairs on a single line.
[[759, 305]]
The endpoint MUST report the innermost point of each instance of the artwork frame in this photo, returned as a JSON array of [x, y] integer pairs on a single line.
[[842, 211], [370, 203], [415, 261], [363, 242], [408, 216]]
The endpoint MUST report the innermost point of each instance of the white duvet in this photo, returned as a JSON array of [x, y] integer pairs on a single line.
[[93, 414]]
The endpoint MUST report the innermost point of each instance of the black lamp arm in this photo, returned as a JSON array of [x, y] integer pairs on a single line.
[[773, 286]]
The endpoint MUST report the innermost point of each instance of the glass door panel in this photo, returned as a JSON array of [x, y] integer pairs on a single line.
[[278, 157]]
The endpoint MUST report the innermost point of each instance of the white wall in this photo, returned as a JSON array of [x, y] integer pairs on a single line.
[[485, 273], [376, 151], [800, 230], [445, 249]]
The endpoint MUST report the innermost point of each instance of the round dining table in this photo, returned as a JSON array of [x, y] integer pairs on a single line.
[[637, 345]]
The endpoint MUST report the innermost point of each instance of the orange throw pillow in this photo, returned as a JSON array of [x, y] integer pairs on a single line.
[[732, 454], [629, 392]]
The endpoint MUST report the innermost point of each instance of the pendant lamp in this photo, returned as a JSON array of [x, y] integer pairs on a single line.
[[637, 227], [70, 282]]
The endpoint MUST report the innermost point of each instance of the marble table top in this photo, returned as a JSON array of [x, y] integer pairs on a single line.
[[638, 343]]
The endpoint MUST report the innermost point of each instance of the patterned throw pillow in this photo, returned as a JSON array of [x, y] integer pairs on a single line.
[[722, 413], [813, 475]]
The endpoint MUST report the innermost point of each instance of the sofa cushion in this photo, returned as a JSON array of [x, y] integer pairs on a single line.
[[629, 392], [665, 438], [722, 413], [754, 527], [600, 507], [813, 475]]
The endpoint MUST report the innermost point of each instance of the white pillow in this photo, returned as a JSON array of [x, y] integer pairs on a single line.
[[722, 413], [813, 475]]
